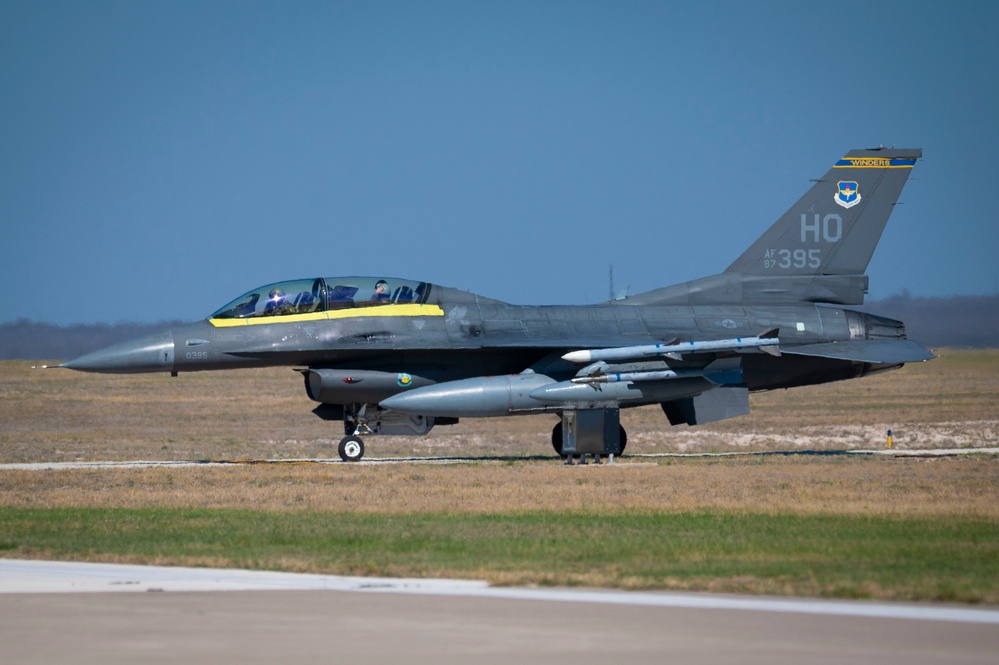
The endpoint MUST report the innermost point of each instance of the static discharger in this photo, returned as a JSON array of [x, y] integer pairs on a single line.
[[766, 342]]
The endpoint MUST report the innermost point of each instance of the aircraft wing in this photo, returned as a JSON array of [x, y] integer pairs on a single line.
[[879, 351]]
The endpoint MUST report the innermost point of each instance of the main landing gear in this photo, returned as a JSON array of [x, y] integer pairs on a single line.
[[558, 442]]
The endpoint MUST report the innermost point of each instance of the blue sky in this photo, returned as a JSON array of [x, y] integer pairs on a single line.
[[157, 159]]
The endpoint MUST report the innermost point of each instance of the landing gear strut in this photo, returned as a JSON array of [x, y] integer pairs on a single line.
[[370, 419]]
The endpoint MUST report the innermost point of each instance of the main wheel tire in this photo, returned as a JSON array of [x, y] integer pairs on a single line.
[[557, 438], [624, 439], [351, 449]]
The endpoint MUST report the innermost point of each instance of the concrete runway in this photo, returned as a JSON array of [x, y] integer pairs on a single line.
[[137, 464], [68, 612]]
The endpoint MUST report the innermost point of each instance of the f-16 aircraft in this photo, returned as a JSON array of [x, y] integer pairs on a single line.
[[388, 356]]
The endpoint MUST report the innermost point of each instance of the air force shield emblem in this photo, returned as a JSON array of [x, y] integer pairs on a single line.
[[848, 194]]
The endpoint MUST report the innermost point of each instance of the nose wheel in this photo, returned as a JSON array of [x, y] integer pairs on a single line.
[[351, 448]]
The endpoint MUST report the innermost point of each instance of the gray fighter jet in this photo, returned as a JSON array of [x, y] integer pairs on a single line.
[[397, 357]]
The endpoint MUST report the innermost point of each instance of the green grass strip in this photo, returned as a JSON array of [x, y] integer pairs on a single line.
[[953, 559]]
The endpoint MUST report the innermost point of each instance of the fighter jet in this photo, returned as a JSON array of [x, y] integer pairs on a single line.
[[390, 356]]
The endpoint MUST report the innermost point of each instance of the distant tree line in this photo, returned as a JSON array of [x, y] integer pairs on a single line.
[[958, 321]]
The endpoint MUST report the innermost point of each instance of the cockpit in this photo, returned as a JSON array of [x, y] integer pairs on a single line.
[[307, 296]]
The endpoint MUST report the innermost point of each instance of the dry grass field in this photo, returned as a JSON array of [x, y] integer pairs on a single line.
[[59, 415], [62, 416], [511, 473], [966, 486]]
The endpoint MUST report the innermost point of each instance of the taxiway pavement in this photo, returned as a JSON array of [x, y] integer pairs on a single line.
[[141, 464], [67, 612]]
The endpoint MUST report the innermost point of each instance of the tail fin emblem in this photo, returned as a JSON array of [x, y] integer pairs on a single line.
[[848, 194]]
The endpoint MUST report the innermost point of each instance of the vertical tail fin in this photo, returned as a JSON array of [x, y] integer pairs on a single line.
[[818, 250], [834, 228]]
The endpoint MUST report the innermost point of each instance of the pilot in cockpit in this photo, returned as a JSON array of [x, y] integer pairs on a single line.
[[277, 303], [381, 291]]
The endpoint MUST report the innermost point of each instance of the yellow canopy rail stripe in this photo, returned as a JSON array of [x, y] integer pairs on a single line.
[[348, 313]]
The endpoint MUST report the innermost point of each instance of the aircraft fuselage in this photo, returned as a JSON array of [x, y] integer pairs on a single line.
[[460, 335]]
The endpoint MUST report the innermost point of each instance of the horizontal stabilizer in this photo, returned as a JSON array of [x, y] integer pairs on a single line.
[[879, 351]]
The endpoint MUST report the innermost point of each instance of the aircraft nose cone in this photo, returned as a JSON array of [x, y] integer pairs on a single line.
[[145, 354]]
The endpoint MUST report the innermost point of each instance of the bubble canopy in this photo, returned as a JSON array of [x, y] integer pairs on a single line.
[[319, 294]]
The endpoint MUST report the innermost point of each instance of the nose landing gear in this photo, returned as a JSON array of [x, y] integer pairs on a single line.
[[351, 448]]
